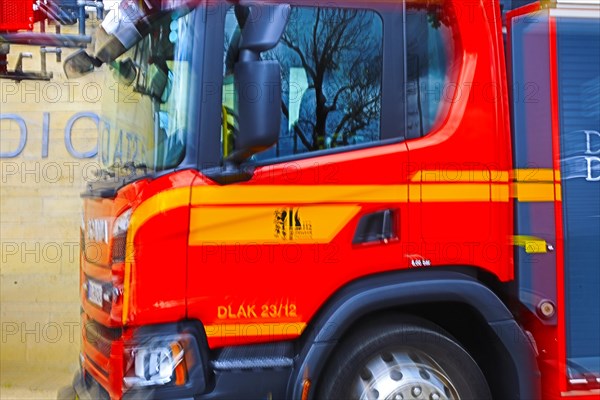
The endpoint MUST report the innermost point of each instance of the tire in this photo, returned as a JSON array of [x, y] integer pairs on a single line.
[[402, 358]]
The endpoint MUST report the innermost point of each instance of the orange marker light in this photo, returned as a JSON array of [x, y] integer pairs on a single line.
[[305, 389], [180, 370]]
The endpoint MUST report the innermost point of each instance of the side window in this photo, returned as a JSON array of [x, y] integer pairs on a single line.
[[430, 48], [331, 62]]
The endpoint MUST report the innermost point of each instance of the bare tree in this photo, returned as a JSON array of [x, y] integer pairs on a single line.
[[342, 60]]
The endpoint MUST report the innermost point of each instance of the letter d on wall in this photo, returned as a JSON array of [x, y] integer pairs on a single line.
[[22, 135]]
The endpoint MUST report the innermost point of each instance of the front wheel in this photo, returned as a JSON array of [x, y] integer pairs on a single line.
[[401, 359]]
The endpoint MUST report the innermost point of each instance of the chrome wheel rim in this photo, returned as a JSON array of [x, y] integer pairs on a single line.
[[403, 374]]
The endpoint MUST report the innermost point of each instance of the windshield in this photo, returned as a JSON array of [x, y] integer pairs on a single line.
[[144, 122]]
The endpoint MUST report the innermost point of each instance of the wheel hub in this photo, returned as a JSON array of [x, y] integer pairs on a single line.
[[403, 375]]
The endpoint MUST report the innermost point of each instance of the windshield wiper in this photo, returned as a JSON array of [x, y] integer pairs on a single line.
[[116, 170], [134, 167], [104, 173]]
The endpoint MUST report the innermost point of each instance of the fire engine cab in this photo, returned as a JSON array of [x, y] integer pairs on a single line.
[[347, 199]]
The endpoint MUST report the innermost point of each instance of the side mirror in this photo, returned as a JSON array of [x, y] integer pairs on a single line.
[[258, 99], [263, 27], [78, 64], [257, 82]]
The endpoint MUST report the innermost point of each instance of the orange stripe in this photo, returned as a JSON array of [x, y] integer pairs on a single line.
[[291, 329]]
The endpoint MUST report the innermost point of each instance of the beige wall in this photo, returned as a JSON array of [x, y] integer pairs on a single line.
[[40, 216]]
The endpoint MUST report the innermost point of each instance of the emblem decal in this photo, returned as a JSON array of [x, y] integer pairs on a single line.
[[289, 225]]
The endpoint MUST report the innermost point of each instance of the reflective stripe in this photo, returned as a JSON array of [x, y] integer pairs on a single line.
[[536, 175], [291, 329], [535, 192], [449, 176], [297, 194]]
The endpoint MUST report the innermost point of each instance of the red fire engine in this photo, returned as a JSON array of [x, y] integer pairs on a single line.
[[371, 200]]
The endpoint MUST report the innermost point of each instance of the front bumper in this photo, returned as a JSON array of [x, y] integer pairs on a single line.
[[87, 388], [106, 360]]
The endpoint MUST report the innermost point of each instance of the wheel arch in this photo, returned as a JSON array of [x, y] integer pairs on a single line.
[[431, 295]]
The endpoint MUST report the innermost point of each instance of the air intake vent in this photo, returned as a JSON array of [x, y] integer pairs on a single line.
[[267, 356]]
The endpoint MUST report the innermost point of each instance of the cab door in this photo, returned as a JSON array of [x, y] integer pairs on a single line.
[[328, 204]]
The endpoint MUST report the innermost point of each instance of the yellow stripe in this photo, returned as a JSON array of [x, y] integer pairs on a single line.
[[355, 194], [495, 176], [159, 203], [531, 244], [535, 192], [500, 176], [500, 193], [414, 193], [460, 176], [535, 175], [257, 225], [558, 192], [292, 329], [288, 195]]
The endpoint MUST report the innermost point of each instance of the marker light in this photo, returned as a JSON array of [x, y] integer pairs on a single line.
[[122, 224], [546, 309], [119, 244]]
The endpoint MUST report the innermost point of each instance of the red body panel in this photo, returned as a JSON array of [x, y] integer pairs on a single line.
[[159, 263], [227, 282], [474, 137], [265, 274]]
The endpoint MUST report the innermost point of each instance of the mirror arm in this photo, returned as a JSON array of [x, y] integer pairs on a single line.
[[248, 56], [230, 173], [97, 62]]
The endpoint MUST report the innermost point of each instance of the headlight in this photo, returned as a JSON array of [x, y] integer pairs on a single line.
[[156, 364], [170, 360], [122, 224]]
